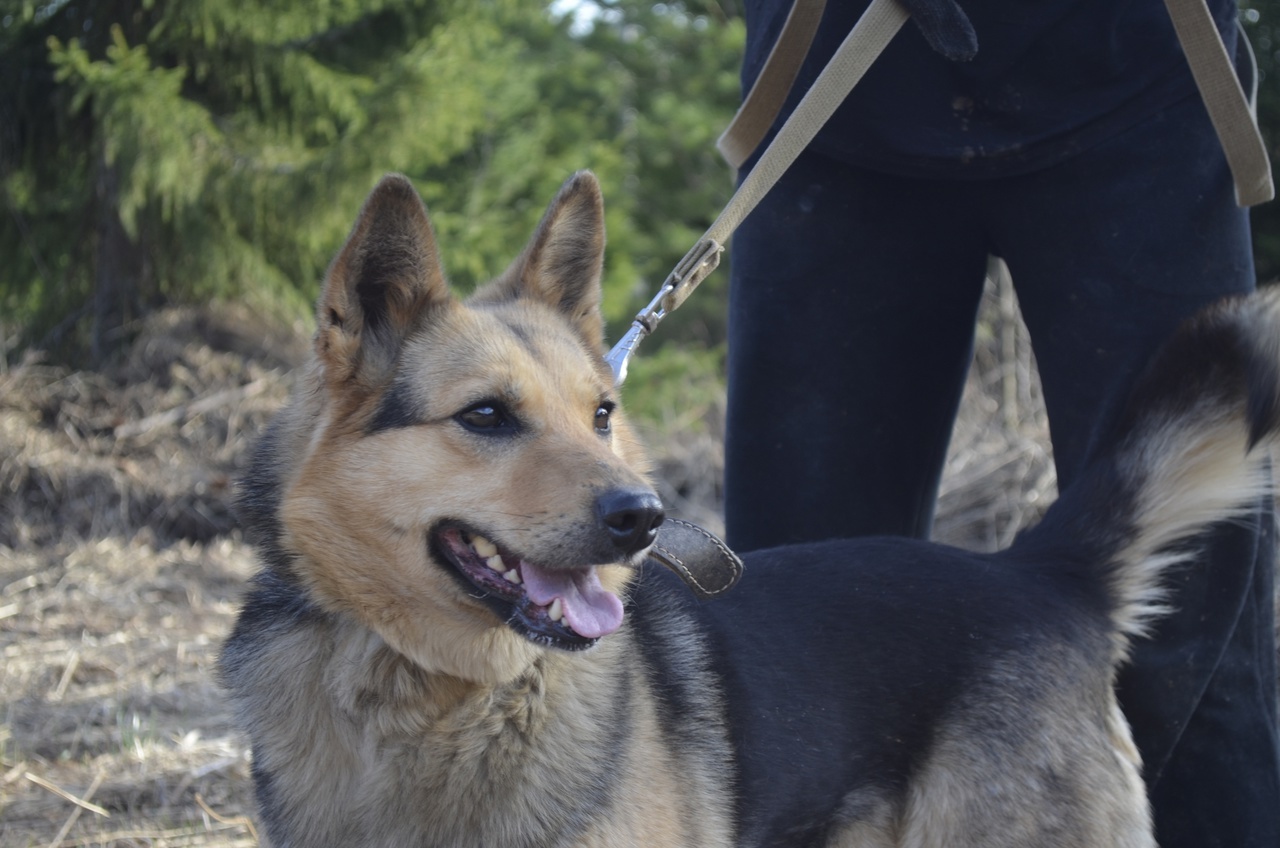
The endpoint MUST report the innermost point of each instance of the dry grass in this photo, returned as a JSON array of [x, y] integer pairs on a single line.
[[120, 571], [109, 697], [999, 475], [121, 568]]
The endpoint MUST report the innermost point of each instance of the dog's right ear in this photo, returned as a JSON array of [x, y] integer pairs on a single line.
[[382, 283]]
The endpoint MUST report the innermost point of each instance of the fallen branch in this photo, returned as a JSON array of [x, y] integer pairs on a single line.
[[82, 804], [185, 411], [62, 793], [239, 821]]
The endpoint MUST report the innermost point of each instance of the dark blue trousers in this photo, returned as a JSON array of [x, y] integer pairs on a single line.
[[851, 320]]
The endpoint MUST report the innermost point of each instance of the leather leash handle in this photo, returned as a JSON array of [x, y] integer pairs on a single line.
[[705, 564], [1230, 111]]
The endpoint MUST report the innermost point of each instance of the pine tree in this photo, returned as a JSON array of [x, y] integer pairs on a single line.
[[162, 151]]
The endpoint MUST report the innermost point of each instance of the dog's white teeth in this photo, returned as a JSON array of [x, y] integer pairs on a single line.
[[488, 551], [483, 547], [556, 610]]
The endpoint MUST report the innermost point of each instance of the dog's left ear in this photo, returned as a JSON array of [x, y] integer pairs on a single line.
[[563, 262]]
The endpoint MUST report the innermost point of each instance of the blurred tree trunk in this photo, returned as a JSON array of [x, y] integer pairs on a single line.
[[116, 265]]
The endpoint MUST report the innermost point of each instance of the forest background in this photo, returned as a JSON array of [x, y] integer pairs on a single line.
[[156, 153], [160, 153], [175, 175]]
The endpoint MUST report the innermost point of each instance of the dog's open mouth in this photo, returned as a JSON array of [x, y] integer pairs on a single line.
[[562, 608]]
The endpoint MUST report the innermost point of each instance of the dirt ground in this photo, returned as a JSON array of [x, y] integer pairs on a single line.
[[121, 565]]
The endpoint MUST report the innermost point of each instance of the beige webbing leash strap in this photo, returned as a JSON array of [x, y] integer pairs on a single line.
[[878, 24], [762, 104], [1229, 109], [861, 46]]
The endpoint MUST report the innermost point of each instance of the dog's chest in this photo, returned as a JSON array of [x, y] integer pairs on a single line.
[[512, 766]]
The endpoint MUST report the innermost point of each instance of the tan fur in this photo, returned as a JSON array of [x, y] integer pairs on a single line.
[[1057, 764], [391, 247], [568, 245], [355, 500], [873, 823], [1198, 468], [1077, 780], [392, 752]]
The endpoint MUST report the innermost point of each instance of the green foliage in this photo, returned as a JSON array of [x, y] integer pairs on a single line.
[[140, 111], [639, 98], [677, 388], [184, 150]]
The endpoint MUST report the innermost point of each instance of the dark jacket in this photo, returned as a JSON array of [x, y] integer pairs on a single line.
[[1051, 78]]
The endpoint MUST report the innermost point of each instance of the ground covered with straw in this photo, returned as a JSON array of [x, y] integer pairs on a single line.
[[121, 565], [120, 571]]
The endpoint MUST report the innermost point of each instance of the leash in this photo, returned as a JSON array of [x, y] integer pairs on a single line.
[[878, 24], [1231, 112]]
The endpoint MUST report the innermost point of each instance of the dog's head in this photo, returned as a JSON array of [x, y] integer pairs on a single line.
[[458, 475]]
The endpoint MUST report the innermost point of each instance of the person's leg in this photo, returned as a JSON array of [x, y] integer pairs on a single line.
[[851, 315], [1108, 253], [1220, 784]]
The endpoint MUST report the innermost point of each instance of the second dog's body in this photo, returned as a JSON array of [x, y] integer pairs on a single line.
[[436, 653]]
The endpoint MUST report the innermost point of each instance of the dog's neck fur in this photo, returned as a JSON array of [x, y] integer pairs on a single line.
[[368, 717], [391, 697]]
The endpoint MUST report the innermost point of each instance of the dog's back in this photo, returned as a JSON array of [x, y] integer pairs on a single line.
[[953, 699], [886, 692]]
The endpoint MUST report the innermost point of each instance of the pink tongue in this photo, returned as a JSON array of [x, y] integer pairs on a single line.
[[589, 609]]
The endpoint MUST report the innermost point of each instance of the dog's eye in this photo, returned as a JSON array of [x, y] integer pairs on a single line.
[[602, 417], [486, 417]]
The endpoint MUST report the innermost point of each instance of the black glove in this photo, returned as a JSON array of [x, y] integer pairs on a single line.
[[946, 27]]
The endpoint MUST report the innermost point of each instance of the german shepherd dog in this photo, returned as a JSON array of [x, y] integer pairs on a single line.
[[457, 637]]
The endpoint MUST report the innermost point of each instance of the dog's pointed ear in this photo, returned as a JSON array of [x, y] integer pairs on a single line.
[[380, 286], [563, 263]]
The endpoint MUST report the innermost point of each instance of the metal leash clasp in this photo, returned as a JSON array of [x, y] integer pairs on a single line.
[[680, 283]]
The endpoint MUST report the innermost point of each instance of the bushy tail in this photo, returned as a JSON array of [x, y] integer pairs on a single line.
[[1190, 448]]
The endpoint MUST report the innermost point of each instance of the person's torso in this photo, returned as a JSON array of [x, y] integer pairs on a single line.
[[1051, 77]]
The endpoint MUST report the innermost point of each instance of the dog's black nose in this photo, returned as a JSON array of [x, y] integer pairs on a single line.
[[631, 517]]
